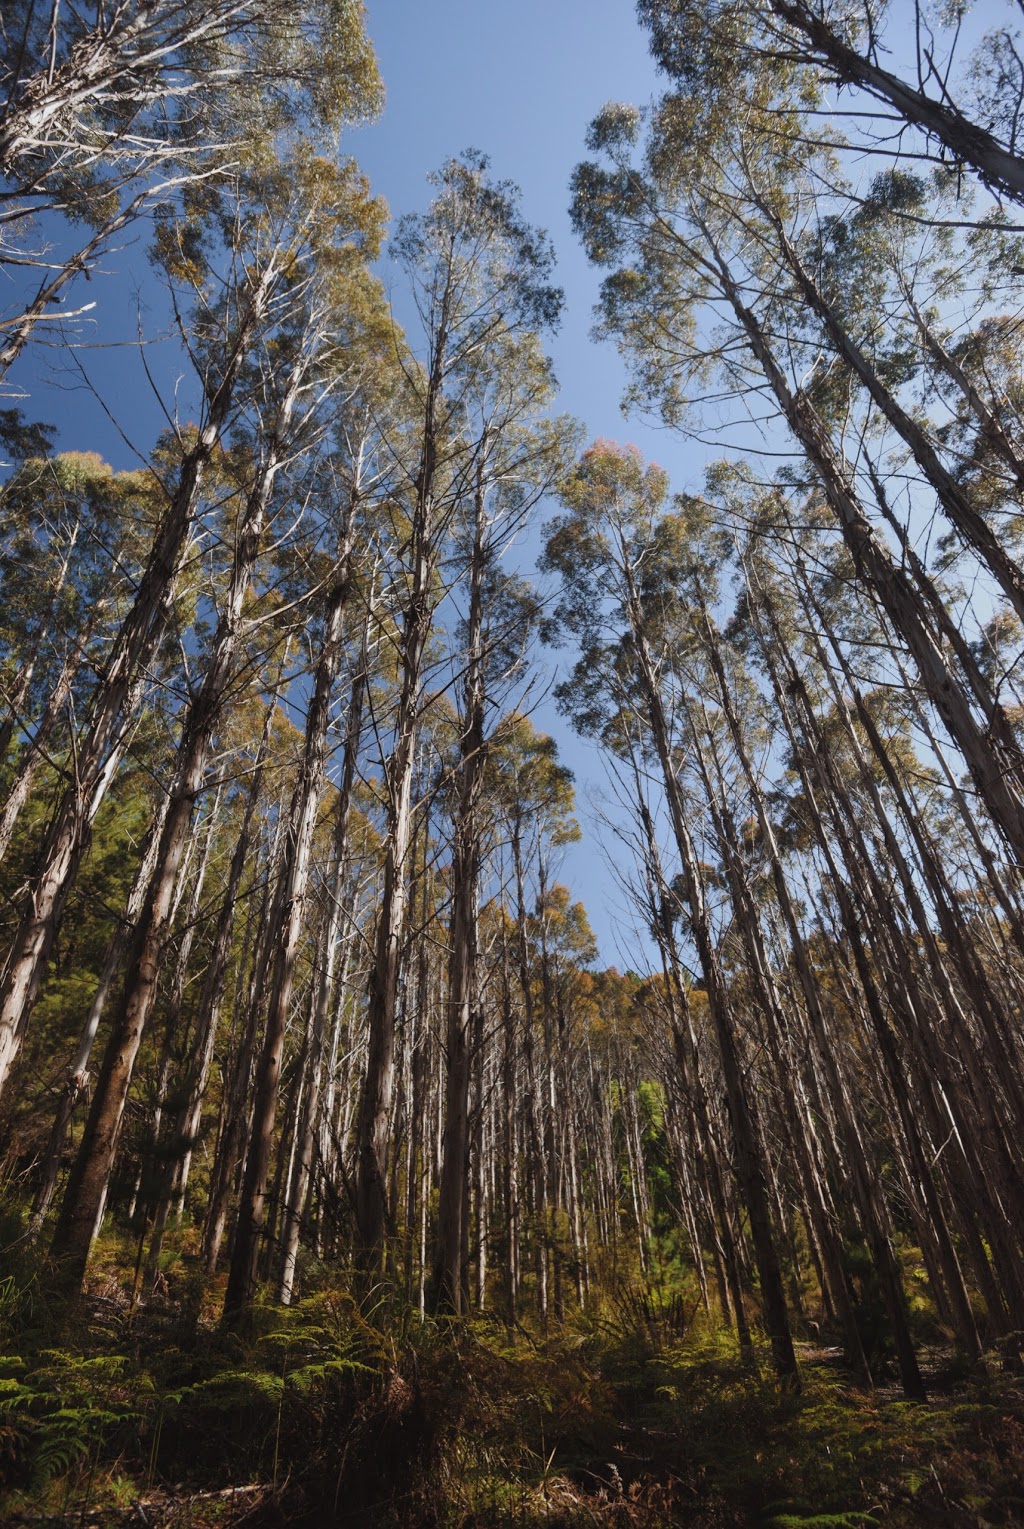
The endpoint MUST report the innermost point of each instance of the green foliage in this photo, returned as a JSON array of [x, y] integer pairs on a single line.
[[54, 1415], [295, 1352], [615, 1419], [824, 1521], [23, 438]]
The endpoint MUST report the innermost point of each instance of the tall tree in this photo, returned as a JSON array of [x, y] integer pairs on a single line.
[[615, 551], [299, 365], [479, 274], [106, 119]]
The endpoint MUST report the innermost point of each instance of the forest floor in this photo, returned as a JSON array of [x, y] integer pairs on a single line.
[[321, 1415]]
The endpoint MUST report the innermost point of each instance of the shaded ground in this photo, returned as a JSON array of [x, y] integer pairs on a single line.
[[318, 1417]]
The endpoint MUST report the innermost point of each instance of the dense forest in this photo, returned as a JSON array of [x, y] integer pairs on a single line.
[[339, 1183]]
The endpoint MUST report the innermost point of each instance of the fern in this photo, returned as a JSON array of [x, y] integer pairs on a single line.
[[231, 1389], [58, 1414], [66, 1437], [825, 1521]]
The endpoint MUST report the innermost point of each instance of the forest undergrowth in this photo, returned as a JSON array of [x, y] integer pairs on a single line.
[[115, 1410]]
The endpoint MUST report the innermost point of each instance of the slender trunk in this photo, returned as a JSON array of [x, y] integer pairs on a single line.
[[967, 142], [466, 857], [417, 622], [285, 934], [115, 702], [230, 1153], [325, 987], [509, 1141]]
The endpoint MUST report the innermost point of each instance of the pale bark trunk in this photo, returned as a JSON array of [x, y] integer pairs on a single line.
[[72, 1237], [992, 775], [325, 989], [466, 857], [509, 1140], [115, 702], [230, 1154], [372, 1211], [285, 934]]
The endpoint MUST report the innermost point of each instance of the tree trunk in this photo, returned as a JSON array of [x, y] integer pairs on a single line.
[[285, 934], [74, 1231], [447, 1277], [115, 703]]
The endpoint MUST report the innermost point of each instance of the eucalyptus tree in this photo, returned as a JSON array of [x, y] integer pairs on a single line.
[[970, 123], [675, 1014], [241, 268], [725, 721], [329, 983], [919, 997], [712, 717], [564, 946], [357, 479], [111, 711], [534, 798], [884, 264], [616, 551], [847, 1151], [704, 232], [187, 1093], [314, 220], [869, 912], [795, 248], [106, 117], [517, 458], [235, 1110], [480, 278], [965, 1038], [75, 532]]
